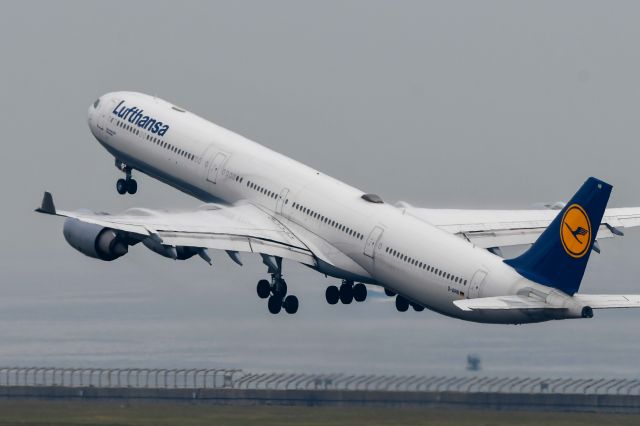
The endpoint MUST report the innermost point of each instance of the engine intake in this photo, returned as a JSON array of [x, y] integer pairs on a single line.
[[94, 241]]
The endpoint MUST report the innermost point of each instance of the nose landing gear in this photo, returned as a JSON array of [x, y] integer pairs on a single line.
[[127, 184]]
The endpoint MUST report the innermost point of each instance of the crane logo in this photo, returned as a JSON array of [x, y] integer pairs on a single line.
[[575, 231]]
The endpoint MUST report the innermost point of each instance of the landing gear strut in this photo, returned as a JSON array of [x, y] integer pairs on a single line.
[[127, 184], [276, 290], [347, 293]]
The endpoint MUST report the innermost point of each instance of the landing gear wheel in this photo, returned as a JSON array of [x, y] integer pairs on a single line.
[[389, 292], [275, 304], [346, 293], [332, 294], [280, 288], [359, 292], [121, 186], [417, 308], [263, 289], [401, 304], [290, 304], [132, 186]]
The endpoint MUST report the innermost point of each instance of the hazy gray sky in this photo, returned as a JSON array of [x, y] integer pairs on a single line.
[[442, 104]]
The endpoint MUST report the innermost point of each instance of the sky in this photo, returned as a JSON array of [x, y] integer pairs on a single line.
[[493, 104]]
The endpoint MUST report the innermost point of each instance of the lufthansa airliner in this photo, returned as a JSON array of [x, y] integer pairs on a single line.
[[255, 200]]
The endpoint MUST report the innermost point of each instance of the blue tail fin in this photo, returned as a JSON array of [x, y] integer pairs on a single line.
[[560, 255]]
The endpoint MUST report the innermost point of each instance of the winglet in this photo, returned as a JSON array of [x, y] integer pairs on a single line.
[[47, 205]]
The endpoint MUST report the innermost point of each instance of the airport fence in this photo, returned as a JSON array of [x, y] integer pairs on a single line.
[[239, 379]]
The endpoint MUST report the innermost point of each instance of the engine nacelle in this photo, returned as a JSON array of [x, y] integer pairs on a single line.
[[93, 240]]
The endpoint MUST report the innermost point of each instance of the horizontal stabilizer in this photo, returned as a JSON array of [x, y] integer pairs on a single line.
[[501, 303], [609, 301], [520, 302]]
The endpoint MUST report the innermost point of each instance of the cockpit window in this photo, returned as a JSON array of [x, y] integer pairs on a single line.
[[96, 103]]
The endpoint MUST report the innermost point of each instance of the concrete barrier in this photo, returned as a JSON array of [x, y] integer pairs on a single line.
[[455, 400]]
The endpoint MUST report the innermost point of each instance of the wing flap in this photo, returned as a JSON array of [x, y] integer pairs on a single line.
[[238, 243]]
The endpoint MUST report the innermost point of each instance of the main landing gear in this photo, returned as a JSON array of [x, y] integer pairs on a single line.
[[276, 290], [347, 293], [402, 304], [127, 184]]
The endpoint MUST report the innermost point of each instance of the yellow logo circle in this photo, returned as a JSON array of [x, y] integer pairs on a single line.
[[575, 231]]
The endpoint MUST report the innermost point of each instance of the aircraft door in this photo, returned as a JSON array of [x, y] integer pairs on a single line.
[[216, 166], [475, 285], [372, 241], [281, 200]]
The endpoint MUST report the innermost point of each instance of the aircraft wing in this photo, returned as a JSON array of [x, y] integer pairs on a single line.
[[239, 228], [503, 228]]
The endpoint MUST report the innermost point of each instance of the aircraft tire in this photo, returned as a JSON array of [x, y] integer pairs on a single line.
[[274, 304], [359, 292], [280, 289], [332, 294], [121, 186], [401, 304], [291, 304], [132, 186], [263, 289], [346, 293]]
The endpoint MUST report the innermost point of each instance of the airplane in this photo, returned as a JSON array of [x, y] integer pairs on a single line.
[[262, 202]]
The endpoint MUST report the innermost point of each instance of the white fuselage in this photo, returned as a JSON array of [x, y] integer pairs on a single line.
[[425, 264]]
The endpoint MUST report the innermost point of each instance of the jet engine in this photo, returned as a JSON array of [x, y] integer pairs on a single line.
[[94, 240]]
